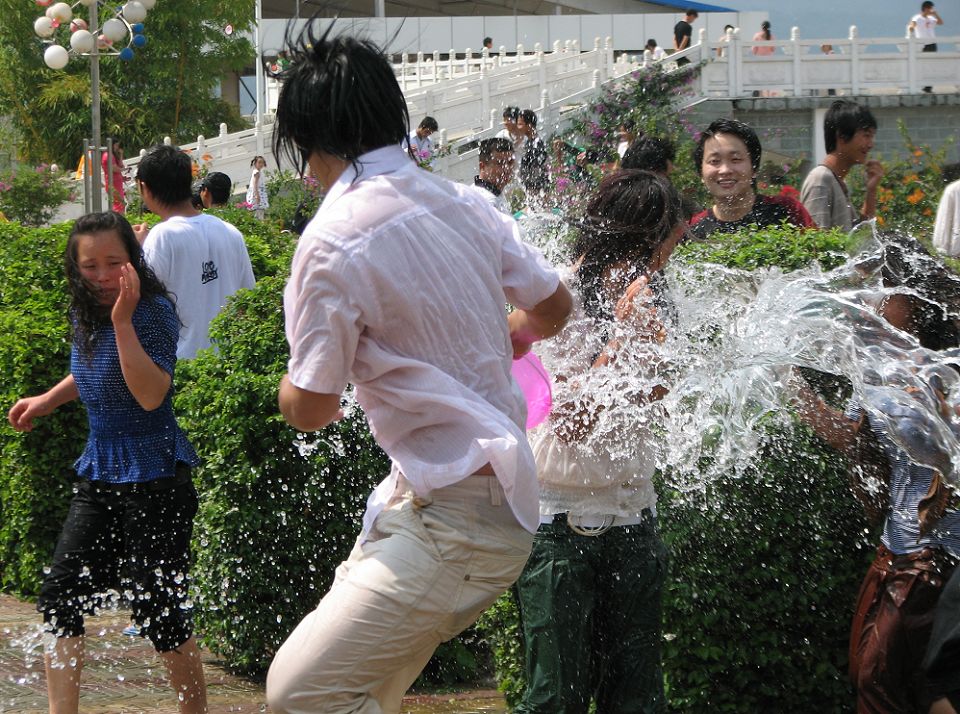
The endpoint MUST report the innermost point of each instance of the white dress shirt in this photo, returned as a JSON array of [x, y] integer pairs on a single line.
[[398, 285]]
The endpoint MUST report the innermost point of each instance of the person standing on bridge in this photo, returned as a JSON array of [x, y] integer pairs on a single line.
[[924, 27], [683, 34]]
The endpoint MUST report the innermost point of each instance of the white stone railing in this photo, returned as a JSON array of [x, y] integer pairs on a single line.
[[462, 105], [799, 67]]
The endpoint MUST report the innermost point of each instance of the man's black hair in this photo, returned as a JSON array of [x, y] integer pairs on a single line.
[[729, 126], [338, 96], [651, 153], [489, 147], [692, 13], [651, 44], [950, 173], [429, 123], [511, 113], [844, 118], [926, 5], [167, 172], [219, 185], [529, 117], [487, 41]]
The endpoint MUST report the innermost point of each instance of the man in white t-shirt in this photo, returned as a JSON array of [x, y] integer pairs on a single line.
[[924, 27], [398, 286], [201, 259]]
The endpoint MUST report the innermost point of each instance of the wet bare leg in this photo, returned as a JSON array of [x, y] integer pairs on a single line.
[[186, 677], [63, 667]]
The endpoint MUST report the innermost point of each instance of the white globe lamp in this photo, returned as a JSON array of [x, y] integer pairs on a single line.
[[43, 27], [134, 12], [82, 41], [56, 57], [114, 30]]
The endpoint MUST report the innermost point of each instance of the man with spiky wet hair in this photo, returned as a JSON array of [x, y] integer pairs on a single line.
[[398, 286]]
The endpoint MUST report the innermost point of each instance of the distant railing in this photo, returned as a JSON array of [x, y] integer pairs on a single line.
[[468, 66], [463, 105], [799, 67]]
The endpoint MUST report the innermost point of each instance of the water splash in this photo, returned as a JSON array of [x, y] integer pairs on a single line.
[[731, 359]]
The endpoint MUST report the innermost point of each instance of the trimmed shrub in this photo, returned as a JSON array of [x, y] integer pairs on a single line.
[[278, 509], [36, 467]]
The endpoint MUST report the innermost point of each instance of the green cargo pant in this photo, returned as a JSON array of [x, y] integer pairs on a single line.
[[590, 608]]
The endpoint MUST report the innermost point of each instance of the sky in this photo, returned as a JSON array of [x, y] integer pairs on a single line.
[[832, 18]]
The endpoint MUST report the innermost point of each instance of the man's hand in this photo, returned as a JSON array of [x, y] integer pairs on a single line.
[[140, 230], [875, 171]]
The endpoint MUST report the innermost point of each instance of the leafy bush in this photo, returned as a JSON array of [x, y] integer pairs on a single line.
[[783, 246], [34, 355], [764, 573], [32, 196], [292, 198], [911, 186], [278, 510]]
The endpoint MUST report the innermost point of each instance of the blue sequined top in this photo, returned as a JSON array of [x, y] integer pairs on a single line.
[[126, 443]]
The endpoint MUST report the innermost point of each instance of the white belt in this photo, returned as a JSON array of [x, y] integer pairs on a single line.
[[593, 521]]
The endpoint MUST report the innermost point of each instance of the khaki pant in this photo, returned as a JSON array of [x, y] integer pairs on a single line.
[[429, 568]]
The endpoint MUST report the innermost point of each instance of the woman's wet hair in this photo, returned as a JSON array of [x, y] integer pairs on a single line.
[[733, 127], [631, 216], [86, 312], [338, 96], [933, 291]]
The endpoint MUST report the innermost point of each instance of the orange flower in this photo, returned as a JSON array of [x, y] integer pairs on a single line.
[[927, 212], [910, 178], [915, 197], [918, 153], [880, 220]]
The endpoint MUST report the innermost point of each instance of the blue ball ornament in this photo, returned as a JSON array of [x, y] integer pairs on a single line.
[[126, 54], [137, 27], [139, 40]]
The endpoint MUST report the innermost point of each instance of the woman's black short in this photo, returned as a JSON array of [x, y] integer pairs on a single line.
[[125, 537]]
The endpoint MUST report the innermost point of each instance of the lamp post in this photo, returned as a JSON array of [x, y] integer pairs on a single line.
[[90, 39]]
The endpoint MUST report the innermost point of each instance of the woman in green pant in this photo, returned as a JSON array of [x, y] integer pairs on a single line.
[[590, 593]]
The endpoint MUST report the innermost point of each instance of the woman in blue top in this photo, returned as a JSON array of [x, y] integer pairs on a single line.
[[134, 504]]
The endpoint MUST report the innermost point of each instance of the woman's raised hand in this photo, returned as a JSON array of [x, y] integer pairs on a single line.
[[128, 297]]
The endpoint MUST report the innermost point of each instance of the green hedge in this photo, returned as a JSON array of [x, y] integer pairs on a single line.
[[273, 522], [35, 468]]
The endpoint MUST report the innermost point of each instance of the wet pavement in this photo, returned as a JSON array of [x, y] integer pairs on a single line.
[[123, 675]]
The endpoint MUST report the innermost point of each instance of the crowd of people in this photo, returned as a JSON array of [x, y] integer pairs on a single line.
[[472, 503]]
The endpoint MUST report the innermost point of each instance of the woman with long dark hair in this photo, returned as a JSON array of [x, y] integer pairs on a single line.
[[134, 501], [591, 591]]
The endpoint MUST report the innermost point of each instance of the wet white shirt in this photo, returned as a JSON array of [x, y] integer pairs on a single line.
[[399, 285], [610, 471]]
